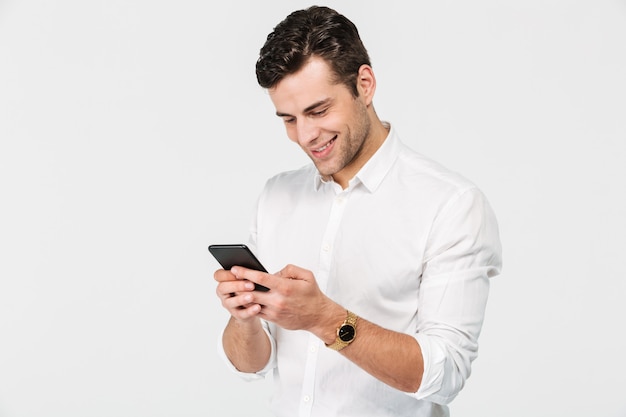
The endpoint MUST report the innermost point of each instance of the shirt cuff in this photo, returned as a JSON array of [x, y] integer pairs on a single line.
[[249, 376], [434, 360]]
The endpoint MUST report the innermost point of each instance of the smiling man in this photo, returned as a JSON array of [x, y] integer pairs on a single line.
[[338, 131], [383, 256]]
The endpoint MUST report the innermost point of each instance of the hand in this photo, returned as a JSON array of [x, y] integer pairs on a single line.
[[294, 301], [245, 342], [236, 295]]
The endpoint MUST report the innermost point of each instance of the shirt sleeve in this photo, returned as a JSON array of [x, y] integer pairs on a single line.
[[250, 376], [462, 254]]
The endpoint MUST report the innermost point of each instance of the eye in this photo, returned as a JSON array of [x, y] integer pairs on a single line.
[[319, 113], [289, 120]]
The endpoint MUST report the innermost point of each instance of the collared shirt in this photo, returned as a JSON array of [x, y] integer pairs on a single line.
[[409, 246]]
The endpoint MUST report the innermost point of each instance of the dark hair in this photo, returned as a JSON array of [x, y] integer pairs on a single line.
[[316, 31]]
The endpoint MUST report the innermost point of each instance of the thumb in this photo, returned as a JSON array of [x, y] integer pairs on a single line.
[[295, 272]]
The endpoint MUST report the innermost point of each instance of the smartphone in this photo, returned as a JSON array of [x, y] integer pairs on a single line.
[[237, 254]]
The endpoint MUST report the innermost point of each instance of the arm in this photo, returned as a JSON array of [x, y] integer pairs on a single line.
[[295, 302], [244, 341], [376, 350], [463, 252]]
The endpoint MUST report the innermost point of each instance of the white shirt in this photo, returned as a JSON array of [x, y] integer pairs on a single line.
[[408, 245]]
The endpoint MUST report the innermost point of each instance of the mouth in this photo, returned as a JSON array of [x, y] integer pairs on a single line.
[[324, 149]]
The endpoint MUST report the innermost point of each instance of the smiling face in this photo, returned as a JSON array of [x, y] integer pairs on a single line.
[[332, 126]]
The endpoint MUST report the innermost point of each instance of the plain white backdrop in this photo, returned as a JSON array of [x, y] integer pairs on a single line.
[[133, 135]]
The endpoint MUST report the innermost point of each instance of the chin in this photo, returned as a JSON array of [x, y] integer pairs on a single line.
[[325, 172]]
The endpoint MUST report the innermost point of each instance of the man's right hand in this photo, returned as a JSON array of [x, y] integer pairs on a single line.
[[236, 295]]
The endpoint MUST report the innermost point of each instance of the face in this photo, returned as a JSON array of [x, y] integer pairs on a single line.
[[325, 119]]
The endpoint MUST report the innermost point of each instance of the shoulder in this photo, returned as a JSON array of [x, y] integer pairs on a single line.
[[420, 173], [430, 176], [293, 179], [289, 185]]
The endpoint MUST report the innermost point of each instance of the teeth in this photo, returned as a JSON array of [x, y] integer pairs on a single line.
[[324, 147]]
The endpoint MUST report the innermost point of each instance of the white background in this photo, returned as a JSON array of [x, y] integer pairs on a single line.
[[133, 135]]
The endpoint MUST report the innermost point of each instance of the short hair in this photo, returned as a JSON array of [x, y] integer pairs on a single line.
[[315, 31]]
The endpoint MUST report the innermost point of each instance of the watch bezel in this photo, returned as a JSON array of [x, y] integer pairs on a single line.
[[346, 333]]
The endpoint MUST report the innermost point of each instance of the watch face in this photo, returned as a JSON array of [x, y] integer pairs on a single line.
[[346, 332]]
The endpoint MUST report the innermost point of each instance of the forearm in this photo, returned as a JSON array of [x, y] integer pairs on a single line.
[[246, 345], [392, 357]]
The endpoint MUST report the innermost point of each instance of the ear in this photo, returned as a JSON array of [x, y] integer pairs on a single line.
[[366, 83]]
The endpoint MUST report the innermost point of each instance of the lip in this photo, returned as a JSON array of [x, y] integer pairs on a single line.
[[324, 150]]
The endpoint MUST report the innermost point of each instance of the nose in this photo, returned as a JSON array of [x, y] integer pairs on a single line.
[[307, 131]]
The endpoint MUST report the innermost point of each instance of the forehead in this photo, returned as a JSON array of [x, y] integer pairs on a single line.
[[312, 83]]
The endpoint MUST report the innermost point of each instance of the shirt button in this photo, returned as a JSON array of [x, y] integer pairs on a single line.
[[306, 399], [326, 247], [313, 349]]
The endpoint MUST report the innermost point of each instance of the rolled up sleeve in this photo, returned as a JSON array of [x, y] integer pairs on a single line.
[[250, 376], [463, 253]]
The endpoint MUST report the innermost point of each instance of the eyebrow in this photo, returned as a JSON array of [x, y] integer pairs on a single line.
[[309, 108]]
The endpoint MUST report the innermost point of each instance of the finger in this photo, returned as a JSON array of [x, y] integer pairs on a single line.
[[259, 277], [247, 312], [241, 305], [294, 272], [222, 275], [228, 289]]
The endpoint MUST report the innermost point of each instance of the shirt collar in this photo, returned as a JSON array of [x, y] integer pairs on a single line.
[[375, 169]]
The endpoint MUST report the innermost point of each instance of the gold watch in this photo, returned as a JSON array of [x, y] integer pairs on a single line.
[[345, 333]]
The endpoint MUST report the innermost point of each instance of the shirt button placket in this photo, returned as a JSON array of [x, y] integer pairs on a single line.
[[336, 213]]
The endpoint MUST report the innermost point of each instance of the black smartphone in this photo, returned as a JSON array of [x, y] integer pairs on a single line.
[[237, 254]]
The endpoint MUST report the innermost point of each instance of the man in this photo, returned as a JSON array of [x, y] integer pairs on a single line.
[[383, 256]]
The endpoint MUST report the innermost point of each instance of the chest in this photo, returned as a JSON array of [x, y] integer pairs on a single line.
[[366, 250]]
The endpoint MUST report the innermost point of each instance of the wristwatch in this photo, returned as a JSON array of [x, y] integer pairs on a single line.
[[345, 333]]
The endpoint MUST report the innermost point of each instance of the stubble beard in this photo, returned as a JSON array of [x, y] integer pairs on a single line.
[[350, 146]]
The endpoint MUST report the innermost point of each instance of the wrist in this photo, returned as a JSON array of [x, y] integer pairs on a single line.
[[345, 333], [326, 327], [248, 327]]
